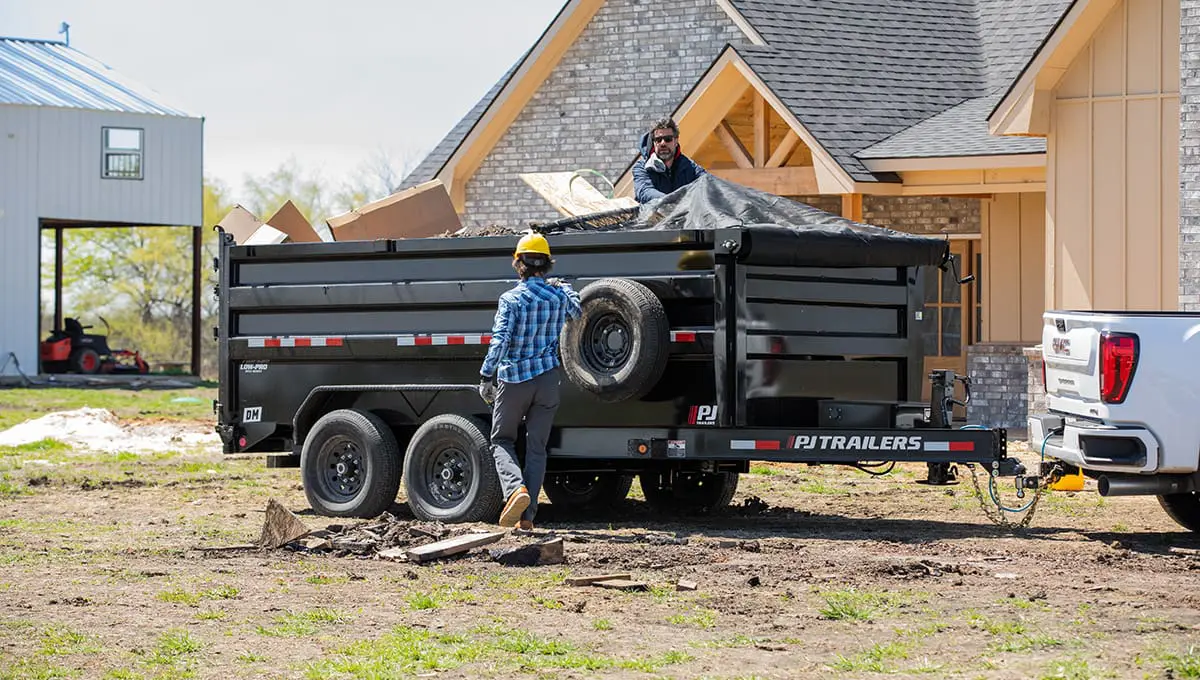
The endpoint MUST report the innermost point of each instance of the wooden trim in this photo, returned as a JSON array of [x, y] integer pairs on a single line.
[[852, 207], [1023, 160], [762, 131], [784, 150], [740, 21], [515, 95], [796, 181], [969, 189], [734, 145], [1023, 109]]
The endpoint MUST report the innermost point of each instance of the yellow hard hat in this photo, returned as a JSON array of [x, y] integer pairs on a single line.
[[533, 243]]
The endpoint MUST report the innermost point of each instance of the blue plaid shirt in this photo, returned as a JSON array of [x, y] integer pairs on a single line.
[[525, 333]]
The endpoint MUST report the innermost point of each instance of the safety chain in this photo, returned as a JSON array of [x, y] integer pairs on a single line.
[[998, 515]]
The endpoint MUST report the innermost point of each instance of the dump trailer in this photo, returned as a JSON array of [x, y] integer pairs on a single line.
[[701, 348]]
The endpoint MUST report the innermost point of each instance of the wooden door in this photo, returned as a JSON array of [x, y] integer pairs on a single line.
[[953, 313]]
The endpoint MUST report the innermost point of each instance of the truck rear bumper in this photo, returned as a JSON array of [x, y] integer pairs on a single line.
[[1094, 446]]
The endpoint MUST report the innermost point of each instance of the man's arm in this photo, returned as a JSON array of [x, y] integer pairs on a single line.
[[644, 190], [574, 311], [498, 348]]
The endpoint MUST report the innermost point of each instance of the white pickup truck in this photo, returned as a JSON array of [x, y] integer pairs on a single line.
[[1123, 404]]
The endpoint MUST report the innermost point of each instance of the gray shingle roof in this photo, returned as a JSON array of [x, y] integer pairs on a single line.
[[878, 78], [960, 131]]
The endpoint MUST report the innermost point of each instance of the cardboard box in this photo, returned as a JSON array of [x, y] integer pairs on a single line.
[[241, 223], [289, 221], [422, 211]]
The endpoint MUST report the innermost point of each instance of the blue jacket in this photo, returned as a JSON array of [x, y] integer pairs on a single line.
[[649, 185]]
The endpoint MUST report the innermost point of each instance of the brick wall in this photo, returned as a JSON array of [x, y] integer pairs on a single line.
[[999, 385], [913, 214], [635, 62], [1189, 156], [1035, 388]]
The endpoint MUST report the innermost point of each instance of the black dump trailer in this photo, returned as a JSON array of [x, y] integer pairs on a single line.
[[720, 326]]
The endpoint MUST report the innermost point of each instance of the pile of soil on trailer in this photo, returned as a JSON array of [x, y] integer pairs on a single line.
[[116, 565]]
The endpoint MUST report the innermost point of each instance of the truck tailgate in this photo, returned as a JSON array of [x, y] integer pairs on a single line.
[[1070, 348]]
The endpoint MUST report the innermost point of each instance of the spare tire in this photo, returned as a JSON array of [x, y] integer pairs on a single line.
[[617, 350]]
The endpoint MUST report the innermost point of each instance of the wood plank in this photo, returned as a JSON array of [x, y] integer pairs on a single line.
[[762, 131], [452, 546], [589, 580], [785, 149], [571, 194], [852, 207], [778, 181], [621, 584], [734, 145]]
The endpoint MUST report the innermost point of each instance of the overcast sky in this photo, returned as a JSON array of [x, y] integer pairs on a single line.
[[325, 81]]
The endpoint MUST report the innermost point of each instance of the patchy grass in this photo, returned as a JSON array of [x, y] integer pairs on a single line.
[[697, 618], [193, 598], [856, 605], [877, 659], [302, 624], [1074, 669], [407, 651], [20, 404]]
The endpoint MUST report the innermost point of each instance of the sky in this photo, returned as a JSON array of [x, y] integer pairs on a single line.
[[324, 82]]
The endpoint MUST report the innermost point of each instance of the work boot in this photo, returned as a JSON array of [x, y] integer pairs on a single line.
[[525, 525], [516, 505]]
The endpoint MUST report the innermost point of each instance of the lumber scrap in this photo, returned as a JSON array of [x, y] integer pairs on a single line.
[[452, 546]]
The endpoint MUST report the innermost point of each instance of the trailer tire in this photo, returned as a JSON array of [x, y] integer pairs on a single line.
[[1184, 508], [449, 473], [688, 492], [586, 491], [350, 465], [617, 349]]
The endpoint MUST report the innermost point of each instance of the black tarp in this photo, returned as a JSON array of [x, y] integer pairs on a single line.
[[778, 231]]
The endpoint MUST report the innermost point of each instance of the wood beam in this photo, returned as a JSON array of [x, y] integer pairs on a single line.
[[785, 149], [800, 181], [852, 207], [734, 145], [762, 131]]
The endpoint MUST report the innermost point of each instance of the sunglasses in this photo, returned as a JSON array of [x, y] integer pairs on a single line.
[[668, 138]]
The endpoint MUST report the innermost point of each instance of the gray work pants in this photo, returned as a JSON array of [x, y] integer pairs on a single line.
[[535, 401]]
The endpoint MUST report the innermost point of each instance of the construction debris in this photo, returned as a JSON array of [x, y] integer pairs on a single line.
[[589, 580], [292, 224], [622, 584], [685, 585], [452, 546], [546, 552], [281, 526], [422, 211], [572, 195], [240, 223]]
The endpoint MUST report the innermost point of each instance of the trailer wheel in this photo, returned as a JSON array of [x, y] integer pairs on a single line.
[[688, 492], [580, 491], [617, 349], [350, 465], [449, 473], [1184, 508]]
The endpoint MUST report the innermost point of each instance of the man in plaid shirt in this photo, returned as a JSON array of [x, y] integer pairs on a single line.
[[523, 355]]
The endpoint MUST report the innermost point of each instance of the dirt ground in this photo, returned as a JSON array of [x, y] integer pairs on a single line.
[[111, 567]]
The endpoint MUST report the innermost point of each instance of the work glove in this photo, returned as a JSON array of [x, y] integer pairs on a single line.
[[655, 163], [487, 390]]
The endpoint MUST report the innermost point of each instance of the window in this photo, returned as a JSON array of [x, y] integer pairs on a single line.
[[121, 157]]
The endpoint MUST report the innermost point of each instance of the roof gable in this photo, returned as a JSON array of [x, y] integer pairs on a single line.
[[49, 73]]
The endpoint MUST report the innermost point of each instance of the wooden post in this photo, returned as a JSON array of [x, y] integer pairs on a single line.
[[762, 131], [197, 241], [852, 207]]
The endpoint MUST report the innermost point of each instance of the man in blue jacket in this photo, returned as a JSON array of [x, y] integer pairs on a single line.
[[662, 167]]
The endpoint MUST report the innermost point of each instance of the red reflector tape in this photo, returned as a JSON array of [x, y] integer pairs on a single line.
[[430, 339], [306, 341]]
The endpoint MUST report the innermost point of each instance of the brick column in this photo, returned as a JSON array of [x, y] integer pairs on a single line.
[[1189, 155]]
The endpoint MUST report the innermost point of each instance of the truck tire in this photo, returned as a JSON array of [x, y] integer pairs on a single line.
[[1184, 508], [586, 491], [618, 348], [449, 473], [350, 465], [688, 492]]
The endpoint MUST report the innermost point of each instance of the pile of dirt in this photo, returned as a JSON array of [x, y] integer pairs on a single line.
[[99, 430]]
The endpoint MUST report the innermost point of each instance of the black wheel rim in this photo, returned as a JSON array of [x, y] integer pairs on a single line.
[[343, 468], [579, 484], [608, 343], [448, 472]]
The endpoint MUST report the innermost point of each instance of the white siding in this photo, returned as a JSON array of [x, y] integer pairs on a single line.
[[18, 237], [50, 169]]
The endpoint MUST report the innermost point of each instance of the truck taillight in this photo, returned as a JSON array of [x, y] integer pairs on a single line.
[[1118, 359]]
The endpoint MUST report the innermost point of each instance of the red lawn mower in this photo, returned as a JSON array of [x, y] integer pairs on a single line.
[[74, 351]]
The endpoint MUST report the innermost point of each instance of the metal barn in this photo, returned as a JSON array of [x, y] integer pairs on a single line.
[[83, 146]]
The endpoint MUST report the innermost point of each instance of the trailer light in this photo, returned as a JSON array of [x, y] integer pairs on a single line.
[[642, 448], [242, 441], [1118, 359]]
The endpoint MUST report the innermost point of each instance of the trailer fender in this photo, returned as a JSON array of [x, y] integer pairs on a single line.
[[617, 349], [326, 398]]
